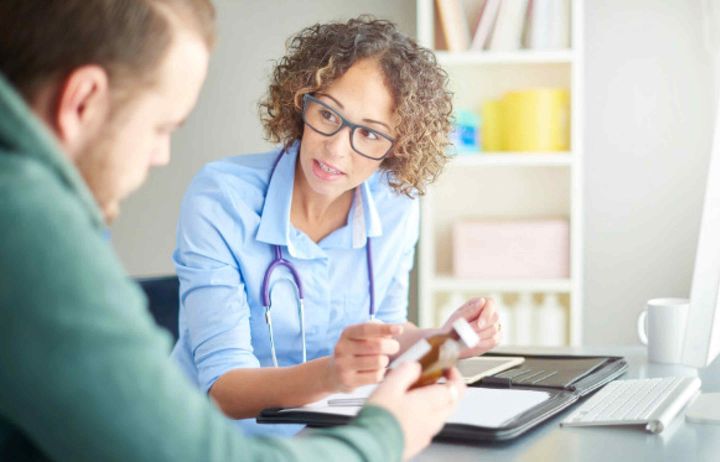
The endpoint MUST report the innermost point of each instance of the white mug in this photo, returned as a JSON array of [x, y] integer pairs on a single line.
[[661, 326]]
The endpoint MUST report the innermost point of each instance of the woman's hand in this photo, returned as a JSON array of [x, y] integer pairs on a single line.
[[481, 314], [361, 355]]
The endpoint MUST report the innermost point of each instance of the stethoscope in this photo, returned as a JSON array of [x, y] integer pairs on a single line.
[[279, 261]]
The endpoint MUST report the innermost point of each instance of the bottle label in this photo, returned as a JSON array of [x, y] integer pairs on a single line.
[[466, 333], [414, 353]]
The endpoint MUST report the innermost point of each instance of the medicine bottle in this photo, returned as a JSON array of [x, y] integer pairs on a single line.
[[438, 353]]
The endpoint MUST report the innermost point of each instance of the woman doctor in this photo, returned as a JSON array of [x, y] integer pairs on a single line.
[[285, 257]]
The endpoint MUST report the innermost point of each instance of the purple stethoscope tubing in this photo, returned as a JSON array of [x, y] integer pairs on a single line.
[[278, 261]]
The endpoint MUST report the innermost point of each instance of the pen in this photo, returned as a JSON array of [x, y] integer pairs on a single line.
[[338, 402]]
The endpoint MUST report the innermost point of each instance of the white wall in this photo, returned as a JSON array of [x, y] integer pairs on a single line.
[[648, 121], [252, 34]]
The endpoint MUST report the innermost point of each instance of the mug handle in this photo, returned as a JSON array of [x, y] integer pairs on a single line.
[[642, 327]]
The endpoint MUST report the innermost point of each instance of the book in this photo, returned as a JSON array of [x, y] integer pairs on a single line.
[[560, 24], [548, 25], [454, 24], [485, 24], [507, 34], [473, 9]]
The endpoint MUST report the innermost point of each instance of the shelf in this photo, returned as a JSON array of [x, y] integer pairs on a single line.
[[504, 184], [451, 284], [512, 159], [506, 57]]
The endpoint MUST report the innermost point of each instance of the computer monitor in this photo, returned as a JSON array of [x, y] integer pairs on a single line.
[[702, 331]]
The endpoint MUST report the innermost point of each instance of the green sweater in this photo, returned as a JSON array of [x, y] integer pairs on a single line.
[[84, 372]]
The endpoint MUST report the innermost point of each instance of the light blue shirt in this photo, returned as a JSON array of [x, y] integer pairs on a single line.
[[231, 217]]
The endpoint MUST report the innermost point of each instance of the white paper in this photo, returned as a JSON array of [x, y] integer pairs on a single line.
[[483, 407], [493, 407]]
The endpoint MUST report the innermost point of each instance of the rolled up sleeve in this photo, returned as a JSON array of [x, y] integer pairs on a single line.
[[215, 315]]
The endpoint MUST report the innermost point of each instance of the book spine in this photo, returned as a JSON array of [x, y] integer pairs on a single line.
[[454, 24]]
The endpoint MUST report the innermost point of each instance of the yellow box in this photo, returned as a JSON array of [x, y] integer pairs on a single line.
[[535, 120], [491, 129]]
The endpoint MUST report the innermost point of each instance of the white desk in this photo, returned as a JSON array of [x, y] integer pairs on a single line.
[[681, 441]]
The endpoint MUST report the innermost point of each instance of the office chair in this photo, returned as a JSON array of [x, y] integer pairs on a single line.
[[164, 301]]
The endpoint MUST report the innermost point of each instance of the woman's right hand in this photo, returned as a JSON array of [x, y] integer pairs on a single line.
[[362, 355], [421, 412]]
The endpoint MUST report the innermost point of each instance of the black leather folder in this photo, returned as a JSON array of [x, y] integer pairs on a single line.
[[566, 379]]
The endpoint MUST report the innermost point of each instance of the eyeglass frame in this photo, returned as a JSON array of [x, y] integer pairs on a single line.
[[345, 123]]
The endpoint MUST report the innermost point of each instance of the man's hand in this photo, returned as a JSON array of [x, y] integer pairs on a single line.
[[422, 411]]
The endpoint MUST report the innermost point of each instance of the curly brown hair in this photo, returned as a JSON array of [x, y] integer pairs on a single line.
[[320, 54]]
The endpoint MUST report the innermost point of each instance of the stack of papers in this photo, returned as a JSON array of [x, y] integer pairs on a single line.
[[482, 407]]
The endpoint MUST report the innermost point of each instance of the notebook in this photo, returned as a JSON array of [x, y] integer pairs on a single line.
[[483, 407], [495, 408]]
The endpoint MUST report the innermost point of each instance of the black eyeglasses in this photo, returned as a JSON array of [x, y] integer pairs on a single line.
[[327, 121]]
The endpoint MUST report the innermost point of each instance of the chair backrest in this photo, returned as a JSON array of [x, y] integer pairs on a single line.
[[164, 300]]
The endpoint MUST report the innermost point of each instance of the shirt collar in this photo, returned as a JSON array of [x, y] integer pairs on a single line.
[[275, 227], [364, 217], [275, 220]]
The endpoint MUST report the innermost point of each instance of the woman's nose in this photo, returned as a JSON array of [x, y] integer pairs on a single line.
[[339, 144]]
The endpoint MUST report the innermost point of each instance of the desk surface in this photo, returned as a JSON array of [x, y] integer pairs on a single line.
[[550, 442]]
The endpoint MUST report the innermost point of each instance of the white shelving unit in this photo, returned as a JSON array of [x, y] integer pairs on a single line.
[[507, 184], [512, 159], [495, 57]]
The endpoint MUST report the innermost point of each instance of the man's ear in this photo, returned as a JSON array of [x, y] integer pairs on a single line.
[[82, 106]]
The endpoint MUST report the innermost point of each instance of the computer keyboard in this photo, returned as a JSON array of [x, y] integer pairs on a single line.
[[650, 402]]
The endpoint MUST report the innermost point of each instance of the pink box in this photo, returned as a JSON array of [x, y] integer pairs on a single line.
[[512, 249]]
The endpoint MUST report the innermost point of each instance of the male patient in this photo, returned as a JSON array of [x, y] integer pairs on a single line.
[[90, 91]]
